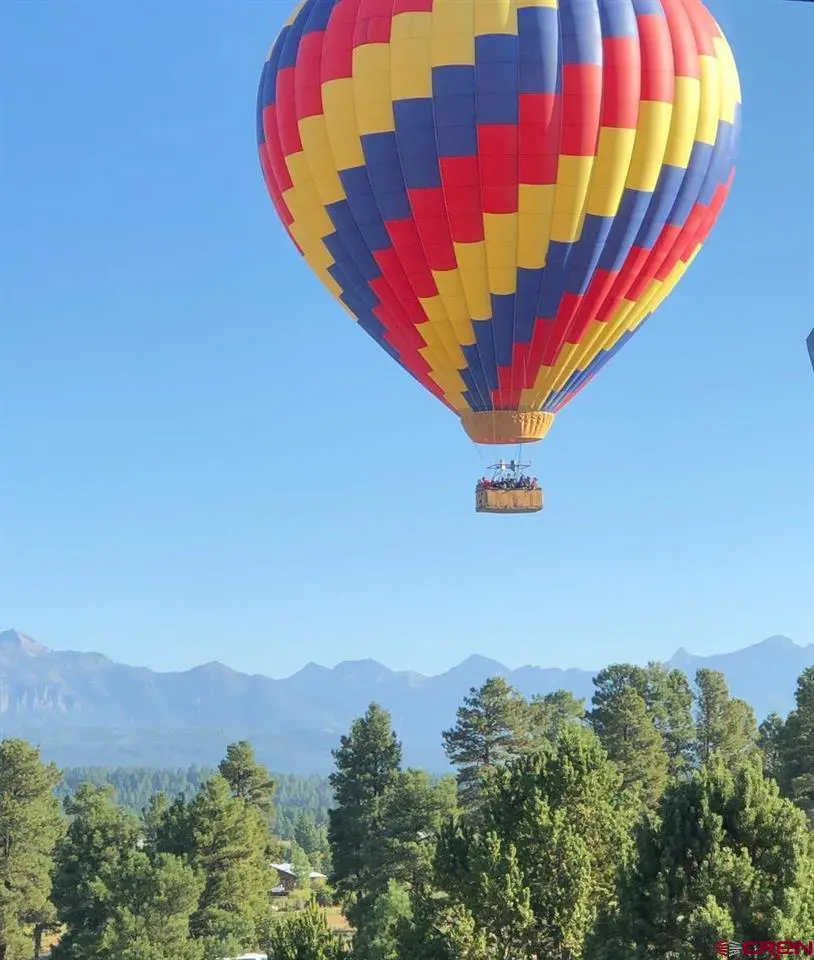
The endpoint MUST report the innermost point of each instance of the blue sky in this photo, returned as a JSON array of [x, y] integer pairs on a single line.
[[203, 458]]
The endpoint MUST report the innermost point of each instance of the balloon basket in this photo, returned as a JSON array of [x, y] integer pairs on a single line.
[[508, 501]]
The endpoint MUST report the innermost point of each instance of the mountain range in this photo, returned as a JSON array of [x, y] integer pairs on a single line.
[[84, 709]]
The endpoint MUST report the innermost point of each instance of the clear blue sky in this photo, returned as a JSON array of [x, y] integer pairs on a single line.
[[203, 458]]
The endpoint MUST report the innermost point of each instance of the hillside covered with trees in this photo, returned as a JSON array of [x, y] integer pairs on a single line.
[[296, 798], [650, 823]]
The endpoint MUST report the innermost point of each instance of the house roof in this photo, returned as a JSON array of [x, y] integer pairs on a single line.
[[249, 956], [289, 869]]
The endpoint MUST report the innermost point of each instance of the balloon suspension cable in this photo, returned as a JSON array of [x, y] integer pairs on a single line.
[[508, 468]]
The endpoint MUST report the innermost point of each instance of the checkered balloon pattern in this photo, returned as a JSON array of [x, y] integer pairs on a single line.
[[500, 192]]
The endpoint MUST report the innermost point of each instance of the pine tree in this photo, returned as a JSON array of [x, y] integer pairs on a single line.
[[549, 713], [669, 700], [111, 896], [636, 746], [771, 742], [149, 916], [413, 811], [167, 825], [30, 825], [724, 725], [553, 830], [229, 837], [306, 833], [397, 856], [797, 745], [441, 928], [303, 936], [377, 937], [491, 728], [667, 697], [367, 762], [251, 782], [248, 779], [726, 858], [497, 892], [301, 866]]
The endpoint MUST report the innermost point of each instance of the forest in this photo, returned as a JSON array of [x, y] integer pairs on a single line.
[[297, 799], [656, 821]]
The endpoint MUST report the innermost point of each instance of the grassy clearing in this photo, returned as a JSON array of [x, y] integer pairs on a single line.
[[336, 919]]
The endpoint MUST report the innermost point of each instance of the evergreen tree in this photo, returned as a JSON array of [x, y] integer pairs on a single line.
[[302, 936], [668, 700], [229, 837], [496, 891], [30, 825], [167, 825], [727, 858], [301, 866], [413, 811], [113, 900], [491, 727], [724, 724], [794, 746], [550, 712], [635, 745], [554, 829], [397, 856], [249, 780], [367, 762], [150, 911], [797, 745], [441, 928], [89, 863], [306, 833], [771, 742], [548, 856], [377, 937]]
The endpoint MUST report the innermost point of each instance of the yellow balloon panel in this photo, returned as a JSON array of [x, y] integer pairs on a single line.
[[500, 191]]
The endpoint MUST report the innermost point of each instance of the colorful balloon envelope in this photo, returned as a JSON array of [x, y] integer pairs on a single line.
[[500, 192]]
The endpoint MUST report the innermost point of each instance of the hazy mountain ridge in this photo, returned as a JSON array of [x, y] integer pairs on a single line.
[[84, 708]]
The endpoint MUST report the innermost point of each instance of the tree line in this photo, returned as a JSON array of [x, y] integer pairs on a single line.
[[190, 876], [298, 800], [652, 822]]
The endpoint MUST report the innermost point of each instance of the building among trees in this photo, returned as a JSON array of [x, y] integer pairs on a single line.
[[289, 878]]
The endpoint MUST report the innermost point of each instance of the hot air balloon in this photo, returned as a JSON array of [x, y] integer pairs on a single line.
[[500, 192]]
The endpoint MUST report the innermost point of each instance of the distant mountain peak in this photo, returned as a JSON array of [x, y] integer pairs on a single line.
[[15, 640], [214, 667], [311, 669], [779, 642], [366, 669], [478, 662], [361, 662]]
